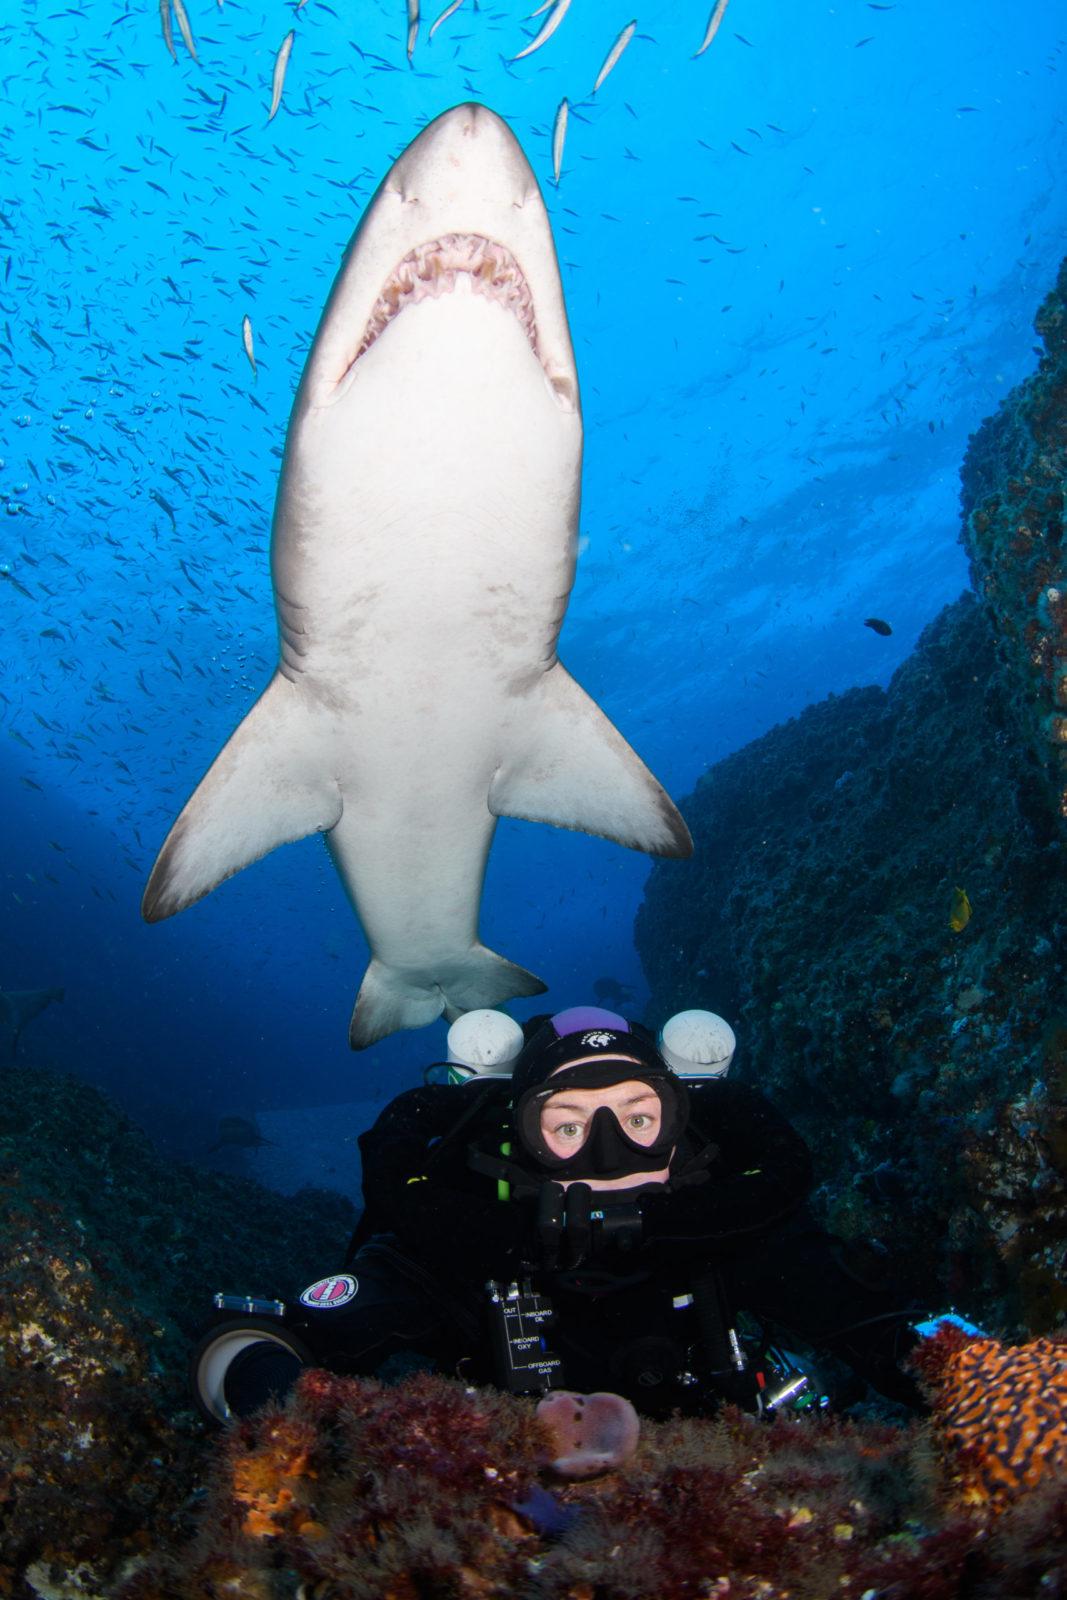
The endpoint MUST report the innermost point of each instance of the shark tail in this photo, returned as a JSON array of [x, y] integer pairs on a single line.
[[390, 998]]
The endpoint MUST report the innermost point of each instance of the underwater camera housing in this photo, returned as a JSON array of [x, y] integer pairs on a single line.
[[659, 1373], [240, 1321], [762, 1378]]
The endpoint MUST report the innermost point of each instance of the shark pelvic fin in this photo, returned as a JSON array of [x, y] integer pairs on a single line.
[[572, 767], [390, 998], [269, 784]]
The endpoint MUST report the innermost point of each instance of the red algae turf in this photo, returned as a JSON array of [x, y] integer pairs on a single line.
[[430, 1490]]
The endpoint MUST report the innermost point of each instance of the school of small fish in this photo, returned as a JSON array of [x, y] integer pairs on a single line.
[[189, 459], [149, 358], [557, 10]]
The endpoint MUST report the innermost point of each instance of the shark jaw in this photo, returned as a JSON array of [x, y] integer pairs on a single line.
[[423, 553], [459, 204], [432, 269]]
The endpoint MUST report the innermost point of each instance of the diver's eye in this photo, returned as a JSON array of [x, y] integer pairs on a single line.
[[568, 1130], [640, 1120]]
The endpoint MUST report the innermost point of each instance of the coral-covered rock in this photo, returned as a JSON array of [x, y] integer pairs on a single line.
[[371, 1491], [1013, 530], [171, 1233], [108, 1258], [94, 1466]]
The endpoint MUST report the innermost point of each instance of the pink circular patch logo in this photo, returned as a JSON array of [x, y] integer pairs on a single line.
[[329, 1293]]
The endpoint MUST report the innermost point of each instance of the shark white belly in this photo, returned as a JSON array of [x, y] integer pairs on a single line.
[[423, 553]]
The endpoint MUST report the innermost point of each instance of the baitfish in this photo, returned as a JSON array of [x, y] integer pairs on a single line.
[[717, 14], [612, 57], [559, 137], [278, 80], [554, 20], [246, 340]]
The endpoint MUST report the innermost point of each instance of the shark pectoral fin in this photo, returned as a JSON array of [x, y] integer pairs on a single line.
[[570, 766], [269, 784], [390, 998]]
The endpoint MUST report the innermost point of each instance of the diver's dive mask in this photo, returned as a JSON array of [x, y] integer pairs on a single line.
[[596, 1058]]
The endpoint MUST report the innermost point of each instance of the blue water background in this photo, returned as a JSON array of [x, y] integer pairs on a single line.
[[799, 270]]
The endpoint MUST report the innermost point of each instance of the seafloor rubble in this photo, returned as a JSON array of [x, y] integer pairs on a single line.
[[878, 900]]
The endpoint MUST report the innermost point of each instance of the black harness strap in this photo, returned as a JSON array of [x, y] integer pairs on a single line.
[[478, 1101], [364, 1228], [523, 1183]]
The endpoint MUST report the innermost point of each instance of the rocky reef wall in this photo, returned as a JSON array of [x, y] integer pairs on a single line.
[[878, 901], [1013, 516]]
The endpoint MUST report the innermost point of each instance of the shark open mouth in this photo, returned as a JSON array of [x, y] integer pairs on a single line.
[[431, 270]]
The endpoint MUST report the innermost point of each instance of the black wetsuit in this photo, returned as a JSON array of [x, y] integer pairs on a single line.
[[447, 1210]]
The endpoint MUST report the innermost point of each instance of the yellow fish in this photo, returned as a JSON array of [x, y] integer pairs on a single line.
[[960, 914]]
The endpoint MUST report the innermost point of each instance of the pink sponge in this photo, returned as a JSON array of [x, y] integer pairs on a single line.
[[591, 1433]]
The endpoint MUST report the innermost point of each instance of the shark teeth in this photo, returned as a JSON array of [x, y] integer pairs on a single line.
[[431, 270]]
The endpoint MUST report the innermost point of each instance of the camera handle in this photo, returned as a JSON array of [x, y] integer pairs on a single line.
[[729, 1366]]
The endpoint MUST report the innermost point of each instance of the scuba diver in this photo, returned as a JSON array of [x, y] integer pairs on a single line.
[[576, 1206]]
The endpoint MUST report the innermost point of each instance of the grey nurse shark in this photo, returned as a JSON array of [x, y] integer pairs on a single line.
[[423, 551]]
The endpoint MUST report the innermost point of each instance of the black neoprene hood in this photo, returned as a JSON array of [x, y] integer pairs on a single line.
[[548, 1051]]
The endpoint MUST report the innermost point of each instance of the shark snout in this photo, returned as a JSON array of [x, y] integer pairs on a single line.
[[466, 156]]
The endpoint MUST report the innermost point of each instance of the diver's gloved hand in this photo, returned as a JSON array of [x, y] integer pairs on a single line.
[[577, 1224]]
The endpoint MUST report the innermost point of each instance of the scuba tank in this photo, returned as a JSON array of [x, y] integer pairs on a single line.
[[485, 1044], [482, 1044], [697, 1044]]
